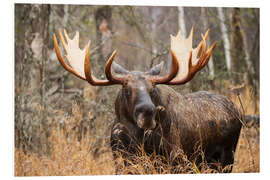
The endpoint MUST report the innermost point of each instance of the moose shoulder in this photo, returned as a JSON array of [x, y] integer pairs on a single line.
[[150, 113]]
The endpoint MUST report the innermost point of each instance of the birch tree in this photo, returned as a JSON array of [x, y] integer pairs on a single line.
[[225, 38], [181, 21]]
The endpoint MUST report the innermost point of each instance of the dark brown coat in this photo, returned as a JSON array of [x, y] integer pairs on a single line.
[[183, 121]]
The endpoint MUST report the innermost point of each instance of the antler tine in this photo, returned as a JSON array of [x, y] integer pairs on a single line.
[[92, 80], [66, 35], [204, 57], [209, 53], [190, 65], [206, 34], [111, 80], [203, 54], [191, 33], [87, 71], [62, 40], [202, 45], [116, 79]]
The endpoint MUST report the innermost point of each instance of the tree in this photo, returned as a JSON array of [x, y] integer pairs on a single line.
[[103, 19], [181, 21], [31, 24], [205, 26], [237, 47], [225, 38]]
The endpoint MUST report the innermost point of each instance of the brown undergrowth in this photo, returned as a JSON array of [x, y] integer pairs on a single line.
[[70, 157], [71, 153], [76, 153], [250, 103], [247, 155]]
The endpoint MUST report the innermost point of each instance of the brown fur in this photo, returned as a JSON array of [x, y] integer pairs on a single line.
[[202, 119]]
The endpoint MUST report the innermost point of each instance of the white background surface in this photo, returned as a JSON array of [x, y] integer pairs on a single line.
[[7, 83]]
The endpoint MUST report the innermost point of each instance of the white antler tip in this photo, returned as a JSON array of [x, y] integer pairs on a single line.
[[179, 34], [76, 37], [87, 45], [172, 37]]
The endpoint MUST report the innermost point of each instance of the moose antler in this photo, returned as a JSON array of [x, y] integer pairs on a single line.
[[79, 62], [184, 66], [186, 56]]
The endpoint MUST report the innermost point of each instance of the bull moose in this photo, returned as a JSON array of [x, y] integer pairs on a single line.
[[146, 104]]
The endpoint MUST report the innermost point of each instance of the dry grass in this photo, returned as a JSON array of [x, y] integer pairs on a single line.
[[67, 159], [247, 155], [70, 156], [251, 104]]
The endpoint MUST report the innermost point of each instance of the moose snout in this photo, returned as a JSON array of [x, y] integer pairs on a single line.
[[144, 114]]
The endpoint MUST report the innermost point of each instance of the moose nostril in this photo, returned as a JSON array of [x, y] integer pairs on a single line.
[[149, 111], [146, 109]]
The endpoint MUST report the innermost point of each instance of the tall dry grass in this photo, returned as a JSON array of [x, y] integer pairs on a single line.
[[250, 104], [69, 156], [75, 153], [247, 154]]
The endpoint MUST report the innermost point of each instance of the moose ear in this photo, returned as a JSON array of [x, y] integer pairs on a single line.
[[119, 69], [156, 69]]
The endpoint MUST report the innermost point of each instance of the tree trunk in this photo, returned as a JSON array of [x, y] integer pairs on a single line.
[[161, 18], [103, 20], [237, 48], [104, 43], [205, 27], [255, 56], [225, 38], [181, 21], [250, 68], [250, 73], [31, 39], [156, 16]]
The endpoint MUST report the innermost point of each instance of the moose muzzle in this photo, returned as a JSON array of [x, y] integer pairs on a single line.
[[144, 114]]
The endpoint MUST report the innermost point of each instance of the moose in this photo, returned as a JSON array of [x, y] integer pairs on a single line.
[[151, 113]]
